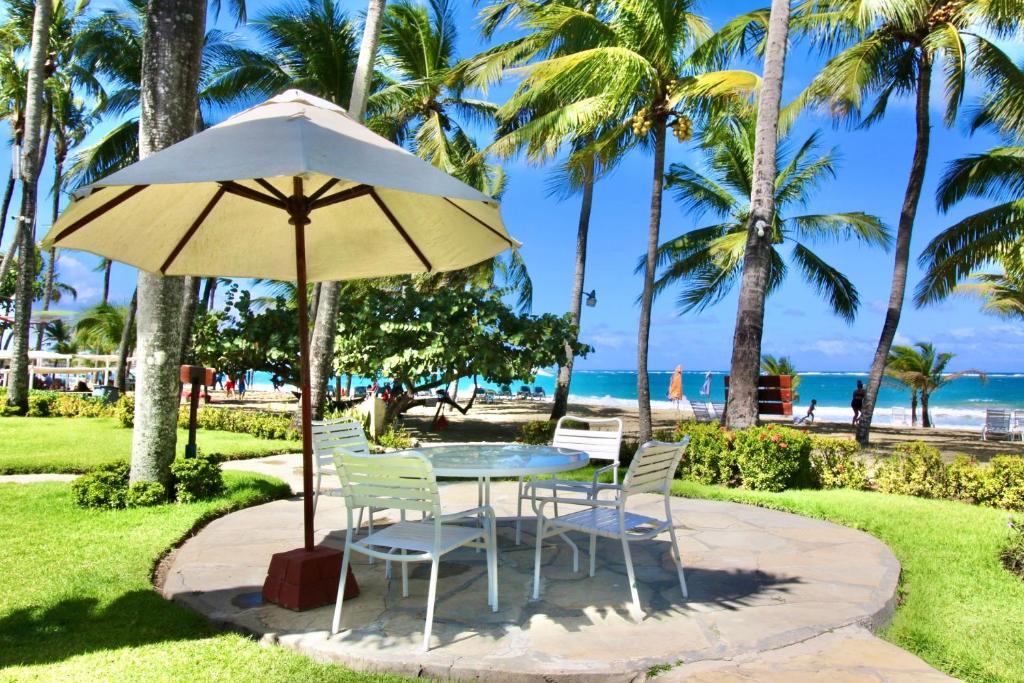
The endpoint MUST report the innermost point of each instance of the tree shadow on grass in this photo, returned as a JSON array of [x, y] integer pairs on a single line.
[[35, 635]]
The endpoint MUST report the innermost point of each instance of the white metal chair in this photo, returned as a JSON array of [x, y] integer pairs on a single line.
[[899, 415], [651, 471], [330, 437], [701, 411], [600, 444], [997, 424], [407, 482]]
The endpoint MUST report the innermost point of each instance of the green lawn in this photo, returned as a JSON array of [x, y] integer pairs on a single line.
[[961, 610], [64, 444], [76, 601]]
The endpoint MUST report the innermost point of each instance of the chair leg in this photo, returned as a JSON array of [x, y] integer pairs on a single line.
[[369, 520], [637, 613], [679, 560], [519, 513], [575, 551], [536, 558], [405, 578], [316, 493], [431, 595], [492, 561], [336, 622], [593, 554]]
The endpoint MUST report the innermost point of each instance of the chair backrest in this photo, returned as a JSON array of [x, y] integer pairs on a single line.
[[334, 436], [700, 411], [899, 415], [997, 420], [399, 482], [600, 444], [653, 467]]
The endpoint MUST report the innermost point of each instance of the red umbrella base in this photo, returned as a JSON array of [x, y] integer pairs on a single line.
[[302, 579]]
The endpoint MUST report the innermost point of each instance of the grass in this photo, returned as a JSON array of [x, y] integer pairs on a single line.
[[76, 601], [961, 610], [75, 445]]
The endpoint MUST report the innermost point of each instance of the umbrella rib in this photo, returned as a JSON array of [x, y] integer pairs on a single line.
[[510, 242], [192, 228], [401, 231], [323, 188], [249, 193], [271, 189], [99, 211], [338, 197]]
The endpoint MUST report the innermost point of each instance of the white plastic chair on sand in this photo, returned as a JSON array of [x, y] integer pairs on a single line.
[[330, 437], [601, 444], [899, 416], [997, 424], [651, 471], [403, 483]]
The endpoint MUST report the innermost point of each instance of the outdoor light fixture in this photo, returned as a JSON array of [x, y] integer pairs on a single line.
[[760, 225], [591, 298]]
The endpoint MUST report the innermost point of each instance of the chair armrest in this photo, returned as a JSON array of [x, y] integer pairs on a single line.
[[601, 470], [589, 502], [466, 514]]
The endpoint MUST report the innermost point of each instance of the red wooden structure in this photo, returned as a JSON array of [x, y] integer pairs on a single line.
[[774, 394]]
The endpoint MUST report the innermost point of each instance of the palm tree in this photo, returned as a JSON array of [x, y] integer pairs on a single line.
[[891, 48], [923, 371], [636, 74], [19, 383], [13, 79], [993, 234], [61, 337], [707, 261], [99, 328], [770, 365], [172, 49]]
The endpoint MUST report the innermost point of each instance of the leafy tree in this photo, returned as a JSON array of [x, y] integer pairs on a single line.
[[923, 371], [99, 328], [770, 365], [637, 73], [61, 337], [707, 261], [884, 49], [428, 341]]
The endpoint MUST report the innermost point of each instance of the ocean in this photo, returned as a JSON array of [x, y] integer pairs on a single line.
[[960, 404]]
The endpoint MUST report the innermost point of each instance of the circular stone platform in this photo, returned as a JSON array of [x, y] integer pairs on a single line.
[[759, 580]]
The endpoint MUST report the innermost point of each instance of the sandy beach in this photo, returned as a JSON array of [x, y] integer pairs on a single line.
[[502, 421]]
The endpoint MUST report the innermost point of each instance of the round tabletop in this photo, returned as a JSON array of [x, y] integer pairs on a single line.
[[500, 460]]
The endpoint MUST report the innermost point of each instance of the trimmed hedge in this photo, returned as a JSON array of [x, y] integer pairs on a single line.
[[265, 425], [107, 487]]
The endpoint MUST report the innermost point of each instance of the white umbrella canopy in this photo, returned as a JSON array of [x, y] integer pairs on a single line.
[[205, 205]]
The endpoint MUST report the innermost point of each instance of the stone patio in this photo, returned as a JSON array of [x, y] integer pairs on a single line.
[[766, 588]]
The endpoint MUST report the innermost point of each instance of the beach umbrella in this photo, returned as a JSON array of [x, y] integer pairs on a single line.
[[675, 387], [705, 389], [291, 189]]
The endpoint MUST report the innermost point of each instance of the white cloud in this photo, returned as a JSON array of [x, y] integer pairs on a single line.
[[901, 340], [963, 332], [837, 347]]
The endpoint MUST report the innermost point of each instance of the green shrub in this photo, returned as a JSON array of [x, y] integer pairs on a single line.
[[1013, 553], [197, 478], [263, 424], [914, 469], [1004, 485], [709, 457], [124, 410], [772, 458], [104, 487], [40, 403], [537, 432], [145, 494], [394, 438], [965, 479], [835, 464]]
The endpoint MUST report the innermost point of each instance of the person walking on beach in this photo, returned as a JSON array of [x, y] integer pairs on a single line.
[[241, 386], [229, 387], [809, 417], [858, 401]]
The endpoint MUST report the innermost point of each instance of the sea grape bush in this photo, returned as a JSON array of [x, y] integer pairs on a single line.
[[835, 464], [914, 469], [772, 458]]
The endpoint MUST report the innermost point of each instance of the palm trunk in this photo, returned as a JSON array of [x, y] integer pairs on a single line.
[[206, 300], [643, 385], [913, 408], [561, 401], [742, 411], [188, 315], [12, 249], [8, 195], [321, 346], [124, 349], [903, 234], [51, 258], [926, 419], [172, 48], [20, 382], [107, 266]]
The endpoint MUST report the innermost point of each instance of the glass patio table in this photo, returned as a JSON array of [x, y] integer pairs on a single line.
[[486, 461]]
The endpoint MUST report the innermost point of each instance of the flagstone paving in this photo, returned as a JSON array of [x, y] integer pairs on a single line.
[[773, 596]]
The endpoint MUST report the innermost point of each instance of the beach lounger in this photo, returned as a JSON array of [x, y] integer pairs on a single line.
[[701, 412], [538, 392], [997, 424], [524, 392], [505, 392], [719, 411]]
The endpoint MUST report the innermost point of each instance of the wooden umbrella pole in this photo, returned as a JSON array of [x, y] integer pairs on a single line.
[[300, 218]]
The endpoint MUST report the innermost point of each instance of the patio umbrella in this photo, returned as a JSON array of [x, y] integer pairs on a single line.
[[235, 200], [675, 387]]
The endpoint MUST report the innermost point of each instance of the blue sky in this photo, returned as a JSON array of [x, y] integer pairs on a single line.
[[871, 177]]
